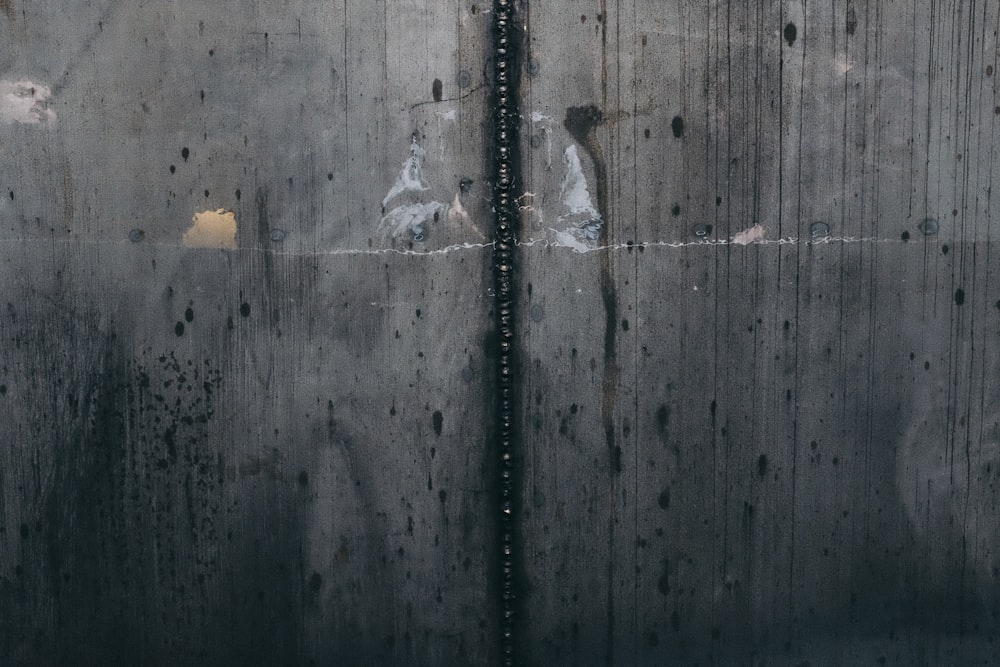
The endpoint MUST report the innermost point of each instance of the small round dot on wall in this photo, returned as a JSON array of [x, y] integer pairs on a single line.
[[819, 230], [277, 235], [929, 226], [136, 235], [701, 231]]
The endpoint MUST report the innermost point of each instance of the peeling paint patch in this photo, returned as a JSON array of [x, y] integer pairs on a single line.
[[748, 236], [583, 221], [26, 103], [211, 229], [411, 178]]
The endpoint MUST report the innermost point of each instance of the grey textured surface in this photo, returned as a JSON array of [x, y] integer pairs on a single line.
[[281, 451]]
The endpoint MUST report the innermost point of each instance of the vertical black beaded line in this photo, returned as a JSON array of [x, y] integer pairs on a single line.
[[506, 168]]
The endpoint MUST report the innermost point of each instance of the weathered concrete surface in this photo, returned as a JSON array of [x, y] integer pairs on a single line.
[[276, 449], [273, 452], [775, 453]]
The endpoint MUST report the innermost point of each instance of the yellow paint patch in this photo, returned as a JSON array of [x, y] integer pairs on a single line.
[[211, 229]]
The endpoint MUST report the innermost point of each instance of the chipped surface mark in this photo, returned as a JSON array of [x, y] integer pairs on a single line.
[[411, 177], [748, 236], [211, 229], [26, 103], [582, 221], [544, 132]]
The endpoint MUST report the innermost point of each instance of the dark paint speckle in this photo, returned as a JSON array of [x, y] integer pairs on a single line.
[[245, 309], [675, 210], [438, 421], [179, 328], [677, 125], [905, 236], [663, 500], [762, 465], [437, 89], [959, 296], [185, 153], [790, 34], [303, 479], [189, 315]]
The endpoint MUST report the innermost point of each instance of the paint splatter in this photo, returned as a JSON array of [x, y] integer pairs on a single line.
[[211, 229], [26, 103], [748, 236]]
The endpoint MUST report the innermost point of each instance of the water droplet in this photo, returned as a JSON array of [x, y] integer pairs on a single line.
[[277, 235], [819, 230], [929, 226], [136, 235], [537, 313]]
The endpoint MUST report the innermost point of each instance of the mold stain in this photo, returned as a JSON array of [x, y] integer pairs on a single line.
[[211, 229]]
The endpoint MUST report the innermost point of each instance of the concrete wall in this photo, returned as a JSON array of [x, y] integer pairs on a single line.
[[247, 371]]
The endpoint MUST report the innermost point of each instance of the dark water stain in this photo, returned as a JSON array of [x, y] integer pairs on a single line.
[[852, 20], [437, 89], [662, 418], [762, 465], [664, 499], [959, 296], [790, 34], [677, 126], [438, 421]]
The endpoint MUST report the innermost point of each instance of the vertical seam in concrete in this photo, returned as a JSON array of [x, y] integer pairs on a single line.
[[506, 178]]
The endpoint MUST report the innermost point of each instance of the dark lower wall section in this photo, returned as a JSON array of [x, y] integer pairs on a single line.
[[190, 477]]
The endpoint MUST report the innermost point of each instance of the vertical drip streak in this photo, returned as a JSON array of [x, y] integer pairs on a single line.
[[505, 172]]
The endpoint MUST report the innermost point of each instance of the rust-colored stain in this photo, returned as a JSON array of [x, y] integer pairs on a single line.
[[212, 229]]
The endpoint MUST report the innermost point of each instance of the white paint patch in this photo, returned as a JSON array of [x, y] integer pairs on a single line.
[[573, 189], [411, 177], [583, 221], [451, 115], [457, 212], [415, 219], [569, 240], [211, 229], [842, 65], [538, 117], [26, 103], [748, 236]]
